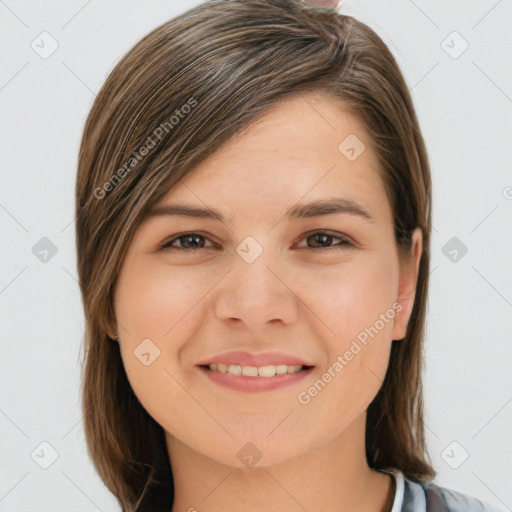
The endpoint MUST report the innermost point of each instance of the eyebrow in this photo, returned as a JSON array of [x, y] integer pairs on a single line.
[[299, 211]]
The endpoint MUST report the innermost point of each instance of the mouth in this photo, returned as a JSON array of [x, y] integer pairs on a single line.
[[245, 371], [265, 372], [247, 378]]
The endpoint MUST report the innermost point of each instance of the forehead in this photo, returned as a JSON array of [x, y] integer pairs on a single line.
[[307, 145]]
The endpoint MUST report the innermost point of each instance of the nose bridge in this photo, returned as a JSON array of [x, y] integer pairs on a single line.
[[253, 291], [252, 266]]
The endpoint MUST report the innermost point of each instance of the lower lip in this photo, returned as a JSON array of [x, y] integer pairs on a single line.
[[243, 383]]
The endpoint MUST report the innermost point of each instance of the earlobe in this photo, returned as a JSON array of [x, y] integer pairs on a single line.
[[110, 330], [111, 335], [408, 281]]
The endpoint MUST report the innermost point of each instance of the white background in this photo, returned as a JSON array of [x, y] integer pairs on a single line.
[[464, 106]]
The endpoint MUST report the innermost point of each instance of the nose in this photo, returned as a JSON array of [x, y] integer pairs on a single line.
[[256, 293]]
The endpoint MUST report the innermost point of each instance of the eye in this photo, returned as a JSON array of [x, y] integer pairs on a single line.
[[188, 242], [324, 239], [195, 241]]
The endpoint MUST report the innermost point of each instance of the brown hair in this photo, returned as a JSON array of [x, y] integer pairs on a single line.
[[177, 96]]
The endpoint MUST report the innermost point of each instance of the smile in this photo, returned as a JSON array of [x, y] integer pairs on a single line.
[[255, 371], [255, 378]]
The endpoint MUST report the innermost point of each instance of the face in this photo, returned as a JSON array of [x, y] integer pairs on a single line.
[[314, 295]]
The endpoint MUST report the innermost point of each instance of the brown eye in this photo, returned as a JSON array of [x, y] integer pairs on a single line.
[[186, 242], [194, 241], [323, 239]]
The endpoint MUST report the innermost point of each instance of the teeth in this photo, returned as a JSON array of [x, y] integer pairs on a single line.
[[266, 371], [282, 369], [249, 371], [255, 371], [234, 369]]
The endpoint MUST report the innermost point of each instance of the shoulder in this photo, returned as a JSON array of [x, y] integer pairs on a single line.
[[442, 499]]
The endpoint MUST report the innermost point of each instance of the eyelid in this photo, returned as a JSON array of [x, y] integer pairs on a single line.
[[335, 234], [346, 241], [177, 236]]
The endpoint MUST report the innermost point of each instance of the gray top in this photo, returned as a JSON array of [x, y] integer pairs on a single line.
[[430, 497]]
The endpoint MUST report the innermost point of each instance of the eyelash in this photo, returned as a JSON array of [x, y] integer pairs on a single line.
[[345, 242]]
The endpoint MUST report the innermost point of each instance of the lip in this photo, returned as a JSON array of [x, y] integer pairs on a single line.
[[243, 383], [247, 359]]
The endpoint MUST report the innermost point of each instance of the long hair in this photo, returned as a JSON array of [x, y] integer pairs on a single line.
[[190, 86]]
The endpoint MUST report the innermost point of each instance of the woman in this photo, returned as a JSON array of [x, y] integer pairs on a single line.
[[253, 218]]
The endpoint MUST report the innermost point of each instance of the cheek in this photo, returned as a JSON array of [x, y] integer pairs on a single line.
[[155, 300], [356, 303], [352, 296]]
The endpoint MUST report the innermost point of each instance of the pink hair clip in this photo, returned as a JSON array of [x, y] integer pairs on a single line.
[[321, 5]]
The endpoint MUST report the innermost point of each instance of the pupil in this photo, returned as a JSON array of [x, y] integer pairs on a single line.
[[322, 237], [190, 239]]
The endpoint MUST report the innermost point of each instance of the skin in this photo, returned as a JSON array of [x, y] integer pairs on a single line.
[[301, 296]]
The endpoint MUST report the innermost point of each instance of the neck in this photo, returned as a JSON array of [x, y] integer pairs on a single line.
[[334, 476]]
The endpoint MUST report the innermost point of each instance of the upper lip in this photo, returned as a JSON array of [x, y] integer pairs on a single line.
[[247, 359]]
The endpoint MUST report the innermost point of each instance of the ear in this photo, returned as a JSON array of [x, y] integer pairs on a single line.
[[409, 268], [111, 333], [111, 328]]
